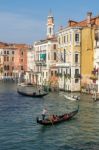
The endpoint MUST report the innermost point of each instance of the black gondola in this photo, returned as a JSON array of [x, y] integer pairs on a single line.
[[57, 119], [32, 94]]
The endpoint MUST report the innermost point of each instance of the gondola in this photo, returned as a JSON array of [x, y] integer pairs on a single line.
[[32, 94], [57, 119]]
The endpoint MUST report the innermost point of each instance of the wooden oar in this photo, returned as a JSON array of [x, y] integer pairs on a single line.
[[50, 119]]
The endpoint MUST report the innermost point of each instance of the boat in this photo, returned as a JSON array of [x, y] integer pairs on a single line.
[[57, 119], [25, 84], [72, 98], [34, 94], [97, 99]]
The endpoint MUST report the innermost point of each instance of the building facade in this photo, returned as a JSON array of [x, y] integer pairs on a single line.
[[68, 65], [45, 54], [88, 51], [13, 60]]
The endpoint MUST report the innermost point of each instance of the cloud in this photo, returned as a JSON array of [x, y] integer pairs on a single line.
[[20, 28]]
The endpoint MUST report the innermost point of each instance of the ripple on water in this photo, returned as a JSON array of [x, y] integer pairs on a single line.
[[19, 130]]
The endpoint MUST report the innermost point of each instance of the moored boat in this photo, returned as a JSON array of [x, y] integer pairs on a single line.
[[72, 98], [34, 94]]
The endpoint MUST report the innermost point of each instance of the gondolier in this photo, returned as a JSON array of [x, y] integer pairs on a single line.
[[44, 113]]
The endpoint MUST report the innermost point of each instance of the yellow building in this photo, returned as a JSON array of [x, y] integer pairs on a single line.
[[87, 47], [87, 56]]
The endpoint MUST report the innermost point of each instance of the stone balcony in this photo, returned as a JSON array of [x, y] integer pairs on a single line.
[[40, 63]]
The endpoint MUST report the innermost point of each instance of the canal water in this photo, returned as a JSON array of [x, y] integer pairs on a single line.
[[19, 130]]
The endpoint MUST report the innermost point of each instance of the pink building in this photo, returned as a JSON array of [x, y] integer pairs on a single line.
[[13, 60]]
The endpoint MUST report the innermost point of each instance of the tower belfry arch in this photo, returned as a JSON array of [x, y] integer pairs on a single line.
[[50, 25]]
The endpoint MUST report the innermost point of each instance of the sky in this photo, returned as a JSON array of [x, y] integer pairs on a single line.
[[24, 21]]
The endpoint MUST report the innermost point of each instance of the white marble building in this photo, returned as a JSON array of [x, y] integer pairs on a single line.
[[69, 58], [45, 54]]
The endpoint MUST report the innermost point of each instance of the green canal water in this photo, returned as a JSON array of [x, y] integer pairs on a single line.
[[19, 130]]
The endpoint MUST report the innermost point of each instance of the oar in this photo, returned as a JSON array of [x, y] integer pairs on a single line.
[[50, 119]]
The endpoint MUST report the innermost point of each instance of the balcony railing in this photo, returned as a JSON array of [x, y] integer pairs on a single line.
[[40, 63], [77, 76]]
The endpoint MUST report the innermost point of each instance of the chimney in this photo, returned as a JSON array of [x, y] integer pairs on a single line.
[[89, 14], [69, 22]]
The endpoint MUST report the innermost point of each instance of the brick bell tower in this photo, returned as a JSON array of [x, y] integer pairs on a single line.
[[50, 26]]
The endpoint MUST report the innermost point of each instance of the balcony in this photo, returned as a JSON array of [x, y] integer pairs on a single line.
[[67, 76], [40, 63], [77, 76], [59, 74]]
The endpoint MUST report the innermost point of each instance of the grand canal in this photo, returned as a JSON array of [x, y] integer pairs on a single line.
[[19, 130]]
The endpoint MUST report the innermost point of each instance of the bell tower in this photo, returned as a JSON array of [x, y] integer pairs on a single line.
[[50, 26]]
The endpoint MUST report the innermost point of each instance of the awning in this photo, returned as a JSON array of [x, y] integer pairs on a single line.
[[42, 56]]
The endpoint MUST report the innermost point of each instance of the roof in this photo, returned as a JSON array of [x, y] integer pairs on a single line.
[[12, 45], [53, 39], [84, 23]]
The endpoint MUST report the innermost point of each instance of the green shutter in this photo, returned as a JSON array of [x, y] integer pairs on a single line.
[[42, 56]]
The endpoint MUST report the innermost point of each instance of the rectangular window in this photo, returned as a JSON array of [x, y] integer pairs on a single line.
[[77, 37], [12, 58], [70, 37], [64, 55], [43, 74], [7, 52], [42, 56], [7, 67], [22, 53], [67, 38], [7, 58], [21, 60], [76, 71], [12, 52], [21, 67], [54, 46], [64, 39], [76, 80], [4, 58], [46, 74], [54, 55], [76, 58], [51, 73]]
